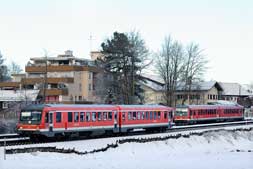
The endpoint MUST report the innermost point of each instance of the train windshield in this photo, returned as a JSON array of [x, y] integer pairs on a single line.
[[181, 111], [30, 116]]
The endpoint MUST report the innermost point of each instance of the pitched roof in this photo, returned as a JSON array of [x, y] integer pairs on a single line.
[[203, 86], [234, 89], [158, 85]]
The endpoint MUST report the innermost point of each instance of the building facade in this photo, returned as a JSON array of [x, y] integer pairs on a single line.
[[61, 79], [202, 93]]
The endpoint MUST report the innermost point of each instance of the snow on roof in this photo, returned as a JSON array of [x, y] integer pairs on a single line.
[[159, 86], [234, 89], [153, 84], [18, 95], [58, 58], [206, 85]]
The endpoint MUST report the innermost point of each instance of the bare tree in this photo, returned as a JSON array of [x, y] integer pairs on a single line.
[[194, 68], [3, 70], [14, 68], [170, 62]]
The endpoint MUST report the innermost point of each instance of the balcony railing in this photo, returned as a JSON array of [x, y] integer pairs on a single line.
[[49, 80], [54, 92], [60, 68]]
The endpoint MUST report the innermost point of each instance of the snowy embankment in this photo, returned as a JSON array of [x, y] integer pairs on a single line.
[[215, 149]]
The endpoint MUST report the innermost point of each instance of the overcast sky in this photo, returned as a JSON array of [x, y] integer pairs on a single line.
[[223, 28]]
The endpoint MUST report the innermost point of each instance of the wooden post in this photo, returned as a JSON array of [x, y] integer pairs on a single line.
[[4, 149]]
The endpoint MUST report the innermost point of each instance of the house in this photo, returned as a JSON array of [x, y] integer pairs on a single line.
[[201, 93], [235, 92]]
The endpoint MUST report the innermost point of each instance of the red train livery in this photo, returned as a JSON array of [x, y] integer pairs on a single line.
[[202, 113], [62, 120]]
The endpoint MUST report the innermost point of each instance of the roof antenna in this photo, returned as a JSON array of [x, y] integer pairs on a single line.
[[90, 39]]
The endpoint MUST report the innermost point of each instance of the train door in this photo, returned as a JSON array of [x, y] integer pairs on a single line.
[[51, 121], [116, 129]]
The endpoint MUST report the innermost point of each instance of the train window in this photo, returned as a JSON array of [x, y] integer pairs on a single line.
[[46, 117], [93, 116], [159, 115], [87, 116], [58, 117], [70, 117], [143, 115], [99, 116], [82, 117], [155, 115], [138, 115], [129, 115], [110, 116], [151, 115], [190, 113], [147, 115], [134, 115], [124, 116], [115, 116], [105, 115], [165, 115], [76, 116]]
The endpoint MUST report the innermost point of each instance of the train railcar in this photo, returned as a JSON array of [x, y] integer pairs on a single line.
[[206, 113], [149, 117], [52, 120]]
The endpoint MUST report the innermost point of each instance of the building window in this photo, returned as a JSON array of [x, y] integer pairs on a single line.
[[90, 86], [80, 86], [90, 75], [5, 105]]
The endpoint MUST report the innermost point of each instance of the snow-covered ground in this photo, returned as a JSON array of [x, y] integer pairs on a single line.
[[212, 150]]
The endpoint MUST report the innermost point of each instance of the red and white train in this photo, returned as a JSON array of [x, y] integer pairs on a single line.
[[203, 113], [52, 120]]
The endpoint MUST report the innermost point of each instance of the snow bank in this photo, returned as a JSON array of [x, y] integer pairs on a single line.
[[211, 150]]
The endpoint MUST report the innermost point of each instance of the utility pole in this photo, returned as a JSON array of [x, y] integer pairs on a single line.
[[45, 79]]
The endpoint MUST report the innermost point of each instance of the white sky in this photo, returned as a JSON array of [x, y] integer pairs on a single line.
[[222, 28]]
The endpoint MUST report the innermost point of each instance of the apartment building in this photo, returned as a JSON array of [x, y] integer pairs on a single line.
[[61, 79]]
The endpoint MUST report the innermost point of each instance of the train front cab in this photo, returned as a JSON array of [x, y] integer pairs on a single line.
[[30, 121], [182, 115]]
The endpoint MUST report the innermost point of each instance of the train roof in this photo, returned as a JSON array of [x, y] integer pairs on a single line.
[[209, 106], [144, 106], [39, 107]]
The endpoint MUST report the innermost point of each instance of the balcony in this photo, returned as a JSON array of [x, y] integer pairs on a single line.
[[9, 84], [60, 68], [54, 92], [50, 80]]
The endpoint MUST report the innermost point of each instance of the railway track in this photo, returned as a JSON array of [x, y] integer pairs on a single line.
[[15, 139]]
